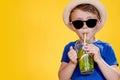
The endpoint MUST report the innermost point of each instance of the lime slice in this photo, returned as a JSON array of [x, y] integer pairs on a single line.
[[85, 55]]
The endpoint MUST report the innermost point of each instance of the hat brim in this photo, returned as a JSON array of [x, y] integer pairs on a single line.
[[75, 3]]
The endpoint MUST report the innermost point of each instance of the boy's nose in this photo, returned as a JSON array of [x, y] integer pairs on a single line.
[[85, 26]]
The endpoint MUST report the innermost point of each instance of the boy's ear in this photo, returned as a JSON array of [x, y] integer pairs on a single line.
[[99, 25], [71, 26], [100, 21]]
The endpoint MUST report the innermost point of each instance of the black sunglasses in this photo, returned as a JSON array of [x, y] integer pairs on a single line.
[[78, 24]]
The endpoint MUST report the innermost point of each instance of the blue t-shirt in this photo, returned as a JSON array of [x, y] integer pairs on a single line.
[[107, 54]]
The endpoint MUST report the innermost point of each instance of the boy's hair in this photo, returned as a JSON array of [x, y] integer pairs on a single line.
[[86, 7]]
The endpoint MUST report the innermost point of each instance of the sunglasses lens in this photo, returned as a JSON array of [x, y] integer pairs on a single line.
[[77, 24], [91, 23]]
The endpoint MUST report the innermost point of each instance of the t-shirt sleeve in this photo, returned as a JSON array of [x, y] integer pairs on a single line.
[[110, 57], [65, 57]]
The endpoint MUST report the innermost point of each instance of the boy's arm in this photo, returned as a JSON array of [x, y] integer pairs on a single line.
[[109, 72], [66, 70]]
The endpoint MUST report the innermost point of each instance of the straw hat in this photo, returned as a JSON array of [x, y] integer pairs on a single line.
[[75, 3]]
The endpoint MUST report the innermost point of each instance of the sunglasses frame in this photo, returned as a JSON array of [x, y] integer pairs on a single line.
[[87, 22]]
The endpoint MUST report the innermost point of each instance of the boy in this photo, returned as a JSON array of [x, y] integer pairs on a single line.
[[87, 17]]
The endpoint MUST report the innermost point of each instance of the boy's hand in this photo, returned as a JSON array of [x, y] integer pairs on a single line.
[[91, 49], [72, 55]]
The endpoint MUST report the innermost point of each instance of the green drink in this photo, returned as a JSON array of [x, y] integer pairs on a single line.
[[86, 62]]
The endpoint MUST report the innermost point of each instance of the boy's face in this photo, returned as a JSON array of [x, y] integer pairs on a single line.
[[84, 16]]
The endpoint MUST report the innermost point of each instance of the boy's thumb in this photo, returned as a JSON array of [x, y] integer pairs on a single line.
[[71, 47]]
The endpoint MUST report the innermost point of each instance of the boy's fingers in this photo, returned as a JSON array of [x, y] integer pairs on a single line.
[[72, 50]]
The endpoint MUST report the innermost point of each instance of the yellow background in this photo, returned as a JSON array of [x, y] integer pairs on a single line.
[[33, 37]]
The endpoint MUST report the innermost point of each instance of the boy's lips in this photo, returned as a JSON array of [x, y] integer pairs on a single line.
[[85, 33]]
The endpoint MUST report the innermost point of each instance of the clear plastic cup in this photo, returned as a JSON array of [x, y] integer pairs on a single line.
[[86, 62]]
